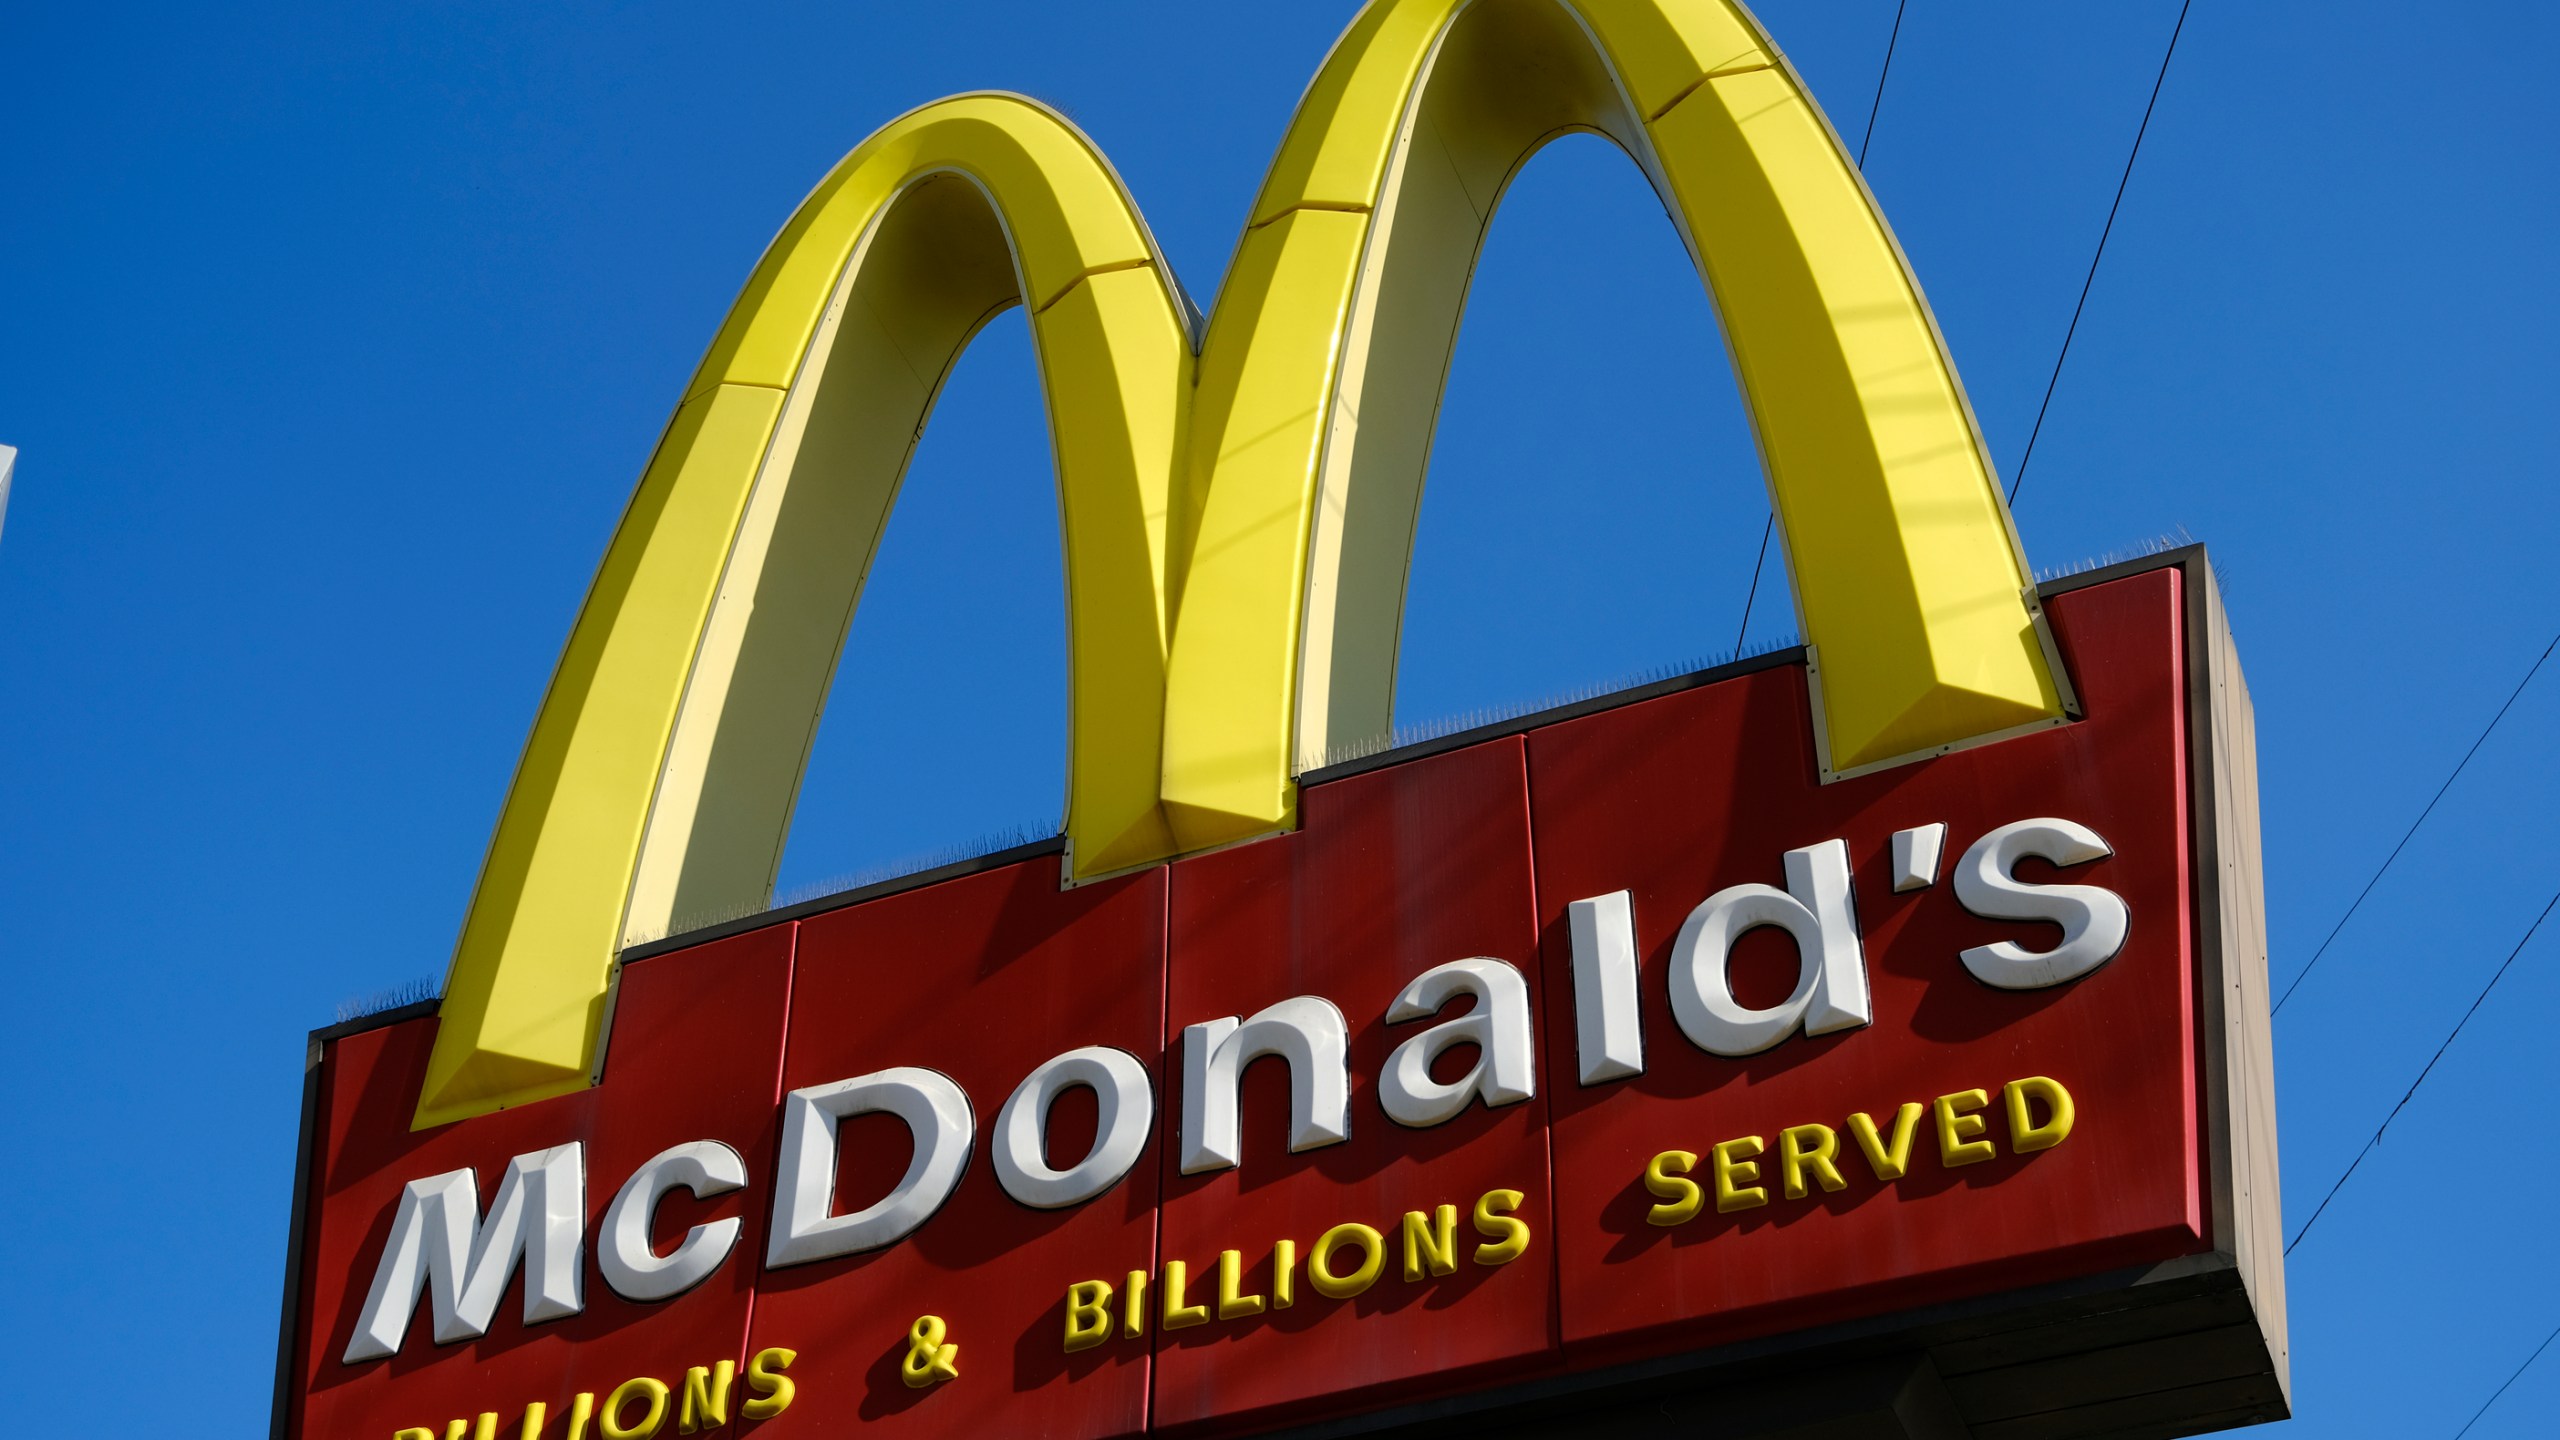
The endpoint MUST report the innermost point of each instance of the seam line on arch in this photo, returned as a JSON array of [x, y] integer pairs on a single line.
[[1692, 87], [1339, 207], [1141, 263], [693, 395]]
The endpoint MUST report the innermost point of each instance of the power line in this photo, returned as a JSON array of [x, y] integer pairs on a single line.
[[2501, 1390], [2121, 183], [1882, 71], [1770, 526], [2414, 824], [1767, 528], [2423, 1074]]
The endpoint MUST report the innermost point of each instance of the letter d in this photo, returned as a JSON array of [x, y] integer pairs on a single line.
[[1816, 908]]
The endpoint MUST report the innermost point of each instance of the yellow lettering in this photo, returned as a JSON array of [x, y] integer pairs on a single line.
[[457, 1430], [706, 1397], [1430, 1242], [610, 1421], [1177, 1315], [1133, 1306], [1088, 1314], [1734, 1173], [2024, 1133], [1506, 1235], [1233, 1303], [1958, 1124], [582, 1410], [1284, 1274], [1666, 1175], [774, 1390], [534, 1415], [488, 1426], [414, 1432], [1890, 1162], [1320, 1271], [928, 1361], [1808, 1148]]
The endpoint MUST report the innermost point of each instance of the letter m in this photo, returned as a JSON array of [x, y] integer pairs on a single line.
[[442, 1245]]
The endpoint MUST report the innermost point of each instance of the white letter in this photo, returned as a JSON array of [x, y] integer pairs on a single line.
[[938, 1117], [1308, 1033], [2093, 921], [1127, 1102], [1819, 911], [440, 1244], [1915, 856], [1504, 1073], [1608, 1031], [635, 1270]]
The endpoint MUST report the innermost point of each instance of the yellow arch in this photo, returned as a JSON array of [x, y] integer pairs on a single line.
[[1321, 381], [1237, 525], [659, 779]]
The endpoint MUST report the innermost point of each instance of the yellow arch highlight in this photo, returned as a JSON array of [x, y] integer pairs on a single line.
[[1237, 524]]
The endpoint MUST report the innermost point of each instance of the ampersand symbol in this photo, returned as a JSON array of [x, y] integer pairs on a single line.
[[928, 1360]]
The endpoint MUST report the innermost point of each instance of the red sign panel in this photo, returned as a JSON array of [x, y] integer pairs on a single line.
[[1681, 797], [696, 1055], [980, 979], [1392, 873], [1621, 1037]]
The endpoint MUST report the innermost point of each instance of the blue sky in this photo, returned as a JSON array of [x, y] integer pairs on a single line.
[[334, 339]]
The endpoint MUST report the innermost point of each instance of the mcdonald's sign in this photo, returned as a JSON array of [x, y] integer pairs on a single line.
[[1870, 1035]]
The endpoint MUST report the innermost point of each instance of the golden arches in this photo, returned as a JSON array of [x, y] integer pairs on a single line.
[[659, 780], [1237, 524], [1909, 584]]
